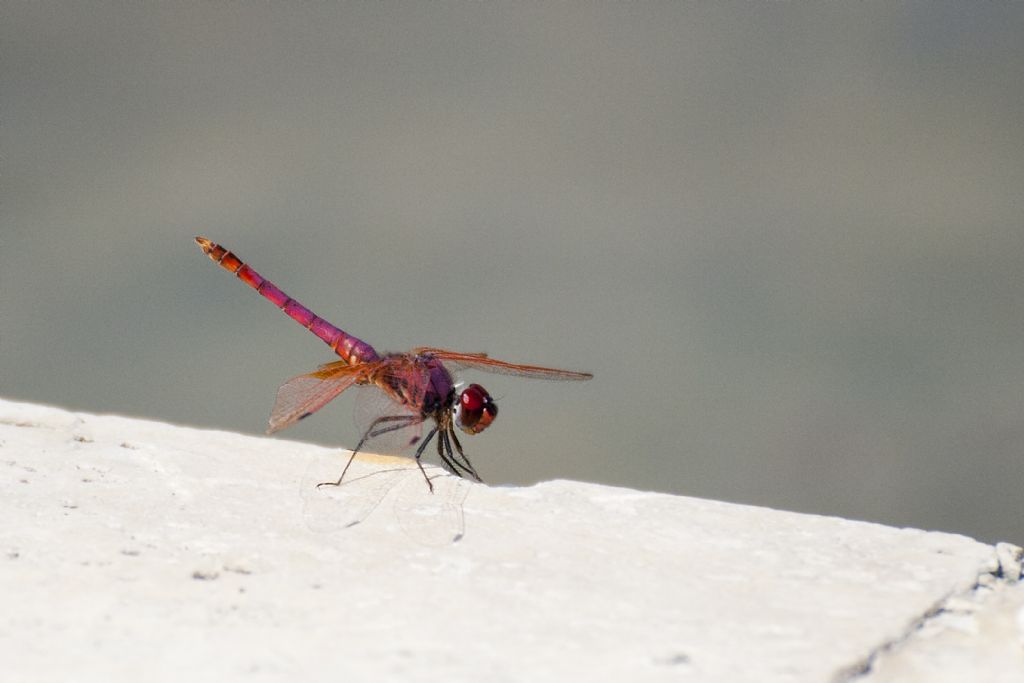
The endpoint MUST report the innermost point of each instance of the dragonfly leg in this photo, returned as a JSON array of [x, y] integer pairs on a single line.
[[401, 422], [372, 431], [467, 465], [442, 447], [456, 467], [419, 454]]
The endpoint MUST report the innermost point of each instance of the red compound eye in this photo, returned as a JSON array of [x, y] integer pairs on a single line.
[[475, 409]]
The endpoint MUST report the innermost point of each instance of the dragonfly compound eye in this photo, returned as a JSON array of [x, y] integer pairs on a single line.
[[475, 409]]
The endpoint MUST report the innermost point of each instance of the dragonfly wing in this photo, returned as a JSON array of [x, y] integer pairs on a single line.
[[335, 508], [480, 361], [302, 396], [431, 518]]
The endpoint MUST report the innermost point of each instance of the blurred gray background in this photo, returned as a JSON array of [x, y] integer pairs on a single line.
[[787, 238]]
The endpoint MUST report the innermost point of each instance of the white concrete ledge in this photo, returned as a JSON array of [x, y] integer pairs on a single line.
[[137, 550]]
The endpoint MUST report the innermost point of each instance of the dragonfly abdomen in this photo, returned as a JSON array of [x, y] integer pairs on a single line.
[[351, 349]]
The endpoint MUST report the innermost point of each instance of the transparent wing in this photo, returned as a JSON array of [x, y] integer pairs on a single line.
[[431, 519], [435, 518], [480, 361], [333, 508], [302, 396]]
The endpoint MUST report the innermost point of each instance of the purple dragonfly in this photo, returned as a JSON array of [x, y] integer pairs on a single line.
[[418, 385]]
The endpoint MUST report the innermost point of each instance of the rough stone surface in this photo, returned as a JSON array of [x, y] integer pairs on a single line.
[[134, 549]]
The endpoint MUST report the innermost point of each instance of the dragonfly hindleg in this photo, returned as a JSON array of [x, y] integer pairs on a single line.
[[400, 421]]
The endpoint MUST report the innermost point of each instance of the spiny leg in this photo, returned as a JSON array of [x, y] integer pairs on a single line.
[[456, 467], [465, 461], [371, 431], [419, 454], [442, 446], [403, 421]]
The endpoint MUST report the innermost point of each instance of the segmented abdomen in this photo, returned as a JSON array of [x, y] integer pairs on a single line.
[[351, 349]]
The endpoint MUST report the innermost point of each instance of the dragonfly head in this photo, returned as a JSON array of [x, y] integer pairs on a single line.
[[474, 409]]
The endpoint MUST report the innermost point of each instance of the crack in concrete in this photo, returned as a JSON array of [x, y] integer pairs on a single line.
[[866, 665], [1007, 569]]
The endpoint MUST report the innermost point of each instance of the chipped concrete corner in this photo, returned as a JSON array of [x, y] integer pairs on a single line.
[[944, 643]]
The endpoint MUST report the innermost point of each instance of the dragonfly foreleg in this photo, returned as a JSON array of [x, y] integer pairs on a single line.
[[466, 464], [453, 463], [442, 447]]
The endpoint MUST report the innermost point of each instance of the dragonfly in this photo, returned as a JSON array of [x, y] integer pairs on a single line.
[[418, 385]]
